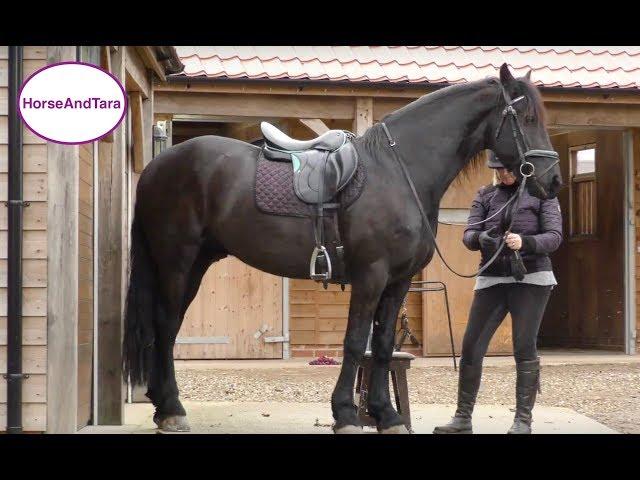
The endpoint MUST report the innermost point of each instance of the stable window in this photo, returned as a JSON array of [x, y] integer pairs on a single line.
[[583, 196]]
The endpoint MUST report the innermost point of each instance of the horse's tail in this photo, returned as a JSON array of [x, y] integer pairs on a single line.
[[141, 306]]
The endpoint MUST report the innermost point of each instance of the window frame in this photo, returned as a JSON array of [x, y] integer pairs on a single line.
[[575, 178]]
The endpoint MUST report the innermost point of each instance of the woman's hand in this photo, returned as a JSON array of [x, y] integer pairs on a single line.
[[514, 241], [488, 243]]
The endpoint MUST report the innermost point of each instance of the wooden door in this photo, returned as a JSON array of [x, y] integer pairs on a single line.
[[586, 309], [237, 310], [455, 205]]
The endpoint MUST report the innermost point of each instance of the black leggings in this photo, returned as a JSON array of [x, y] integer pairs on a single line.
[[525, 302]]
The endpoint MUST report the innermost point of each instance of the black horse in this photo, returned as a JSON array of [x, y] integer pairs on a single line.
[[195, 205]]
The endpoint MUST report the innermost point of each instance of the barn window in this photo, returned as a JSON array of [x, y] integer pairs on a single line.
[[583, 203]]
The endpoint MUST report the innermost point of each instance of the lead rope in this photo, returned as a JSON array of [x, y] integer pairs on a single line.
[[425, 219]]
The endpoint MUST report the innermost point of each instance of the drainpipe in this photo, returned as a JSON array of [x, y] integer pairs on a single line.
[[14, 251]]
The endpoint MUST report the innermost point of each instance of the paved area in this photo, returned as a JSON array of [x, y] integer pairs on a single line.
[[582, 392], [603, 387], [315, 418]]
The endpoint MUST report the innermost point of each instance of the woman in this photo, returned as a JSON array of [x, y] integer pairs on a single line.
[[509, 285]]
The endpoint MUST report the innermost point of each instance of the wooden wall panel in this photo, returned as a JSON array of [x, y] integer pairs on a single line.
[[234, 301]]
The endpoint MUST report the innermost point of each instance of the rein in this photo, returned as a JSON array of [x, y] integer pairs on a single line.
[[527, 170]]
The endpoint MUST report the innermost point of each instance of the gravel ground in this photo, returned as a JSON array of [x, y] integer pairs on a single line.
[[609, 394]]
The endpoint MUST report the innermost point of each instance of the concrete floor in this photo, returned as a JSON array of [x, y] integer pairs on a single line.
[[312, 418]]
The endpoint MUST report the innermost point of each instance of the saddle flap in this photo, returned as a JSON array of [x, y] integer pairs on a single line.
[[319, 175]]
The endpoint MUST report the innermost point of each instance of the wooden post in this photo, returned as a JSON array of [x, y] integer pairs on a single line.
[[105, 63], [316, 125], [137, 126], [62, 264], [111, 271], [147, 129], [363, 118]]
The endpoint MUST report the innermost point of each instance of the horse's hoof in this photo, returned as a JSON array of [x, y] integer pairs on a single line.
[[348, 429], [175, 423], [395, 430]]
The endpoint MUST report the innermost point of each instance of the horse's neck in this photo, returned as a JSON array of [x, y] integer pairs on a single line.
[[438, 140]]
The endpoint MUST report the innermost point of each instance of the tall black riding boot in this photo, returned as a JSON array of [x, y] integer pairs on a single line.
[[527, 386], [468, 385]]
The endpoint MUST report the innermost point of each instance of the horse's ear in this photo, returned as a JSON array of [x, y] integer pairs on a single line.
[[528, 75], [505, 74]]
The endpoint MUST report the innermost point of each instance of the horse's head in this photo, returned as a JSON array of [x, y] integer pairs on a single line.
[[520, 138]]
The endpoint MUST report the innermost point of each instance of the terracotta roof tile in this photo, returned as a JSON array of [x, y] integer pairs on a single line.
[[587, 67]]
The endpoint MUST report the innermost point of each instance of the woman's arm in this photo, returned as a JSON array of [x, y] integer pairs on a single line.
[[477, 214], [550, 236]]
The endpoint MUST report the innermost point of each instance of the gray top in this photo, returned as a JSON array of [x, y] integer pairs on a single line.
[[545, 277]]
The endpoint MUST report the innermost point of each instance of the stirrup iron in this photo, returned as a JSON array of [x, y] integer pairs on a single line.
[[320, 252]]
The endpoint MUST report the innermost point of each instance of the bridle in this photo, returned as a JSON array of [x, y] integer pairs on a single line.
[[526, 169]]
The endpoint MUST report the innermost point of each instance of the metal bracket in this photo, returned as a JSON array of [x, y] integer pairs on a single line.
[[202, 340], [9, 203], [283, 339], [15, 376]]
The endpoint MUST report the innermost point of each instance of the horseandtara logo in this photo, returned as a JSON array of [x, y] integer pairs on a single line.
[[87, 103], [72, 103]]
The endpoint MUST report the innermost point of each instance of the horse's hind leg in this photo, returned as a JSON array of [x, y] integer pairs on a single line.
[[170, 414], [365, 294], [379, 402], [174, 282]]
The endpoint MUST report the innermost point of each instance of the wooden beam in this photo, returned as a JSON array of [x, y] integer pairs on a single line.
[[137, 127], [137, 78], [316, 125], [255, 106], [147, 129], [105, 62], [300, 90], [149, 59], [384, 106], [592, 115], [373, 90], [62, 266], [105, 58], [363, 116], [111, 168]]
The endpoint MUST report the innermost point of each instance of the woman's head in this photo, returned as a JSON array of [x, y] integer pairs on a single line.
[[501, 174]]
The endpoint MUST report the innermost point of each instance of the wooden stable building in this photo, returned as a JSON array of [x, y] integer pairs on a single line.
[[75, 232], [591, 109], [75, 228]]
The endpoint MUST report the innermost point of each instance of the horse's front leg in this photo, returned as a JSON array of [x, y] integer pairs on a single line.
[[379, 403], [366, 289]]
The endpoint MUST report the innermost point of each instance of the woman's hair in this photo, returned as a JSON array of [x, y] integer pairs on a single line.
[[496, 178]]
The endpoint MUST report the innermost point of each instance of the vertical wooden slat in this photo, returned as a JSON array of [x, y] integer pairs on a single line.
[[111, 270], [62, 305], [137, 125]]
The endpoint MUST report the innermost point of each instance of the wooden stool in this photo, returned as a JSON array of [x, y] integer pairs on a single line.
[[400, 363]]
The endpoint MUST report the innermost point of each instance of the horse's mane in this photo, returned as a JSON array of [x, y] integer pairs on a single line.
[[534, 111]]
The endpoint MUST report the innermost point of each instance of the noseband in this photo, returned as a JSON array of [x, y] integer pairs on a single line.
[[526, 168]]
